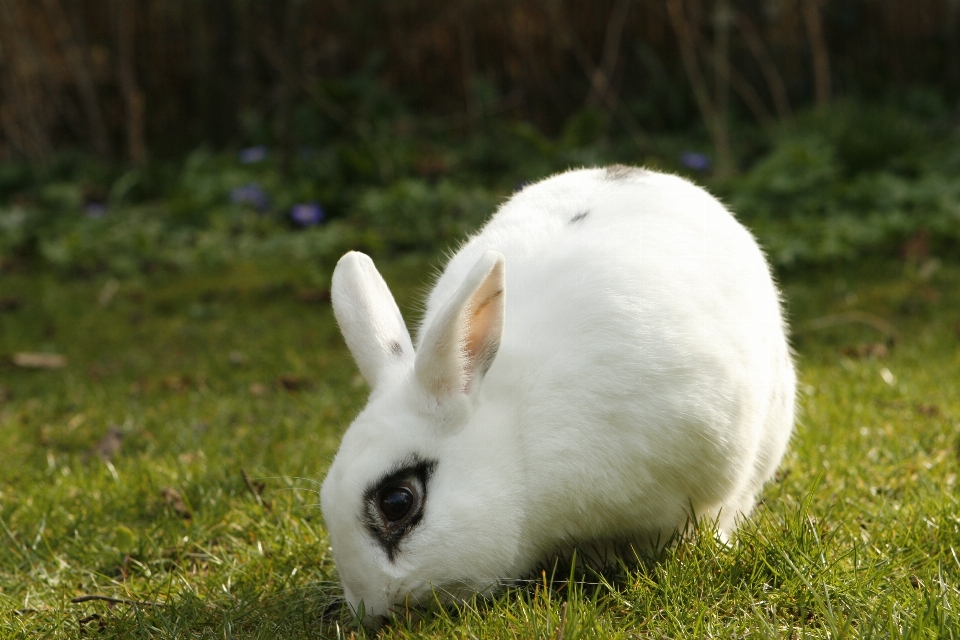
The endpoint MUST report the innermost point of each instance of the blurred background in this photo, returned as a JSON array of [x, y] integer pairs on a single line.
[[143, 136]]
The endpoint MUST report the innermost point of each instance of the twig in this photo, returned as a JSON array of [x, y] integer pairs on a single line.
[[562, 623], [750, 98], [90, 618], [333, 610], [854, 317], [109, 600]]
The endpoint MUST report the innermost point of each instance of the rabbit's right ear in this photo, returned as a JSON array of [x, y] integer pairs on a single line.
[[461, 342], [369, 317]]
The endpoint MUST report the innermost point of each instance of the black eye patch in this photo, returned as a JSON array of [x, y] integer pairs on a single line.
[[393, 504]]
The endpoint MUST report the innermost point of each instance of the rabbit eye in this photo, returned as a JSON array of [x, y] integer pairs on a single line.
[[396, 502]]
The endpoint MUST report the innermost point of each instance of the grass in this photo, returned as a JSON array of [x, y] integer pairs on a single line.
[[211, 377]]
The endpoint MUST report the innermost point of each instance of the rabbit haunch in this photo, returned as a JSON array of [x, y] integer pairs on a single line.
[[604, 360]]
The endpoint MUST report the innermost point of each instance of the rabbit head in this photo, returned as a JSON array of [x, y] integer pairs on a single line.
[[420, 498]]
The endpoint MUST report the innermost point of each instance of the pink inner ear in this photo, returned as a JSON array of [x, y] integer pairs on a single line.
[[483, 331], [484, 327]]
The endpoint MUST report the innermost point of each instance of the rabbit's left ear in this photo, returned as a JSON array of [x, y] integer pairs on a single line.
[[459, 345], [368, 317]]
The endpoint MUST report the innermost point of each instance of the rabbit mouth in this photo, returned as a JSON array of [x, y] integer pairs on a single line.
[[417, 607]]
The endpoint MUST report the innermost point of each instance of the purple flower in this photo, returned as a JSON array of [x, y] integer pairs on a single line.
[[696, 161], [252, 195], [95, 210], [252, 155], [306, 214]]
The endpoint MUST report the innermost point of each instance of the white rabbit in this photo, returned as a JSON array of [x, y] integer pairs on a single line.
[[605, 359]]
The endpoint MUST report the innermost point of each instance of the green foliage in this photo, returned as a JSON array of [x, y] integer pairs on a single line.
[[143, 240], [855, 180], [414, 214]]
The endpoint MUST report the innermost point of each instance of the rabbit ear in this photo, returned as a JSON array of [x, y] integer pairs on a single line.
[[459, 345], [368, 317]]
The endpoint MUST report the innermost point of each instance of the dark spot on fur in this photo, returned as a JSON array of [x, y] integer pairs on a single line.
[[580, 216], [622, 172], [493, 296], [396, 349]]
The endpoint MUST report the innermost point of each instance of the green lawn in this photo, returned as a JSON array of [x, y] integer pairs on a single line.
[[122, 474]]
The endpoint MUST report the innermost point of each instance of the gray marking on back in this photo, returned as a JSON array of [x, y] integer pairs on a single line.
[[396, 349], [580, 216], [622, 172]]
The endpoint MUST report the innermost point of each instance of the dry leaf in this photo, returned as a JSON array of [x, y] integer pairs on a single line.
[[40, 360], [191, 457], [888, 376], [176, 383], [110, 444], [293, 382], [107, 293], [431, 166], [313, 295], [929, 410], [917, 247], [175, 501], [183, 383], [10, 304], [866, 350]]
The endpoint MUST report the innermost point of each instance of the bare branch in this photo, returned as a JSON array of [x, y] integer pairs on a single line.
[[132, 95], [600, 80], [813, 18], [78, 63], [569, 39], [708, 110], [768, 67]]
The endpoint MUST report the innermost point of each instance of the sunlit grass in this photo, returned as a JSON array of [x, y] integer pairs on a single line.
[[210, 377]]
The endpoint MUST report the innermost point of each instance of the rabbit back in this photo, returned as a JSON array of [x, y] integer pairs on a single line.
[[644, 364]]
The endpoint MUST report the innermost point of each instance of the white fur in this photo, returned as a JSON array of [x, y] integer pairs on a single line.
[[641, 369]]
